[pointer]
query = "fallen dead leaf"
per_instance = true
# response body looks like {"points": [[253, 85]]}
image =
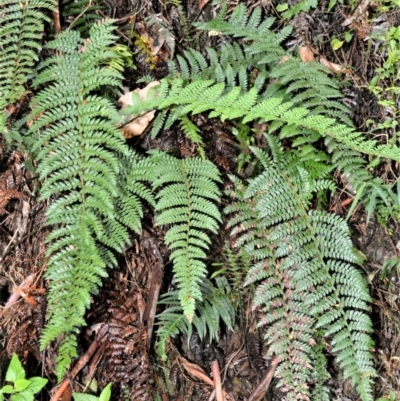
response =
{"points": [[137, 126], [335, 68], [283, 59], [306, 54]]}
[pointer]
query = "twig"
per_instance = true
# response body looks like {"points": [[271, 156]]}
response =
{"points": [[76, 369], [80, 15], [8, 245], [199, 373], [262, 388], [217, 380], [212, 396]]}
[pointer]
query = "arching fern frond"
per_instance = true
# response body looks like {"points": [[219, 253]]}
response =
{"points": [[92, 178], [309, 286], [186, 200], [201, 96]]}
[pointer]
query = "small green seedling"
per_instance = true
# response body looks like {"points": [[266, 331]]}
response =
{"points": [[104, 396], [21, 389], [390, 397]]}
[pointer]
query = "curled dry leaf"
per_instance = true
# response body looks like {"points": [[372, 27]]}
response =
{"points": [[19, 291], [137, 126], [335, 68], [306, 54], [197, 371]]}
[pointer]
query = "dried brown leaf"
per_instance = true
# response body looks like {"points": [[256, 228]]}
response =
{"points": [[197, 371], [202, 4], [137, 126], [306, 54], [335, 68]]}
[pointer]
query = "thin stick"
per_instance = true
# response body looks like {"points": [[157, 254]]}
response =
{"points": [[83, 360], [217, 380], [212, 396]]}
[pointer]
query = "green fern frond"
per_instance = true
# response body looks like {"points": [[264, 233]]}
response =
{"points": [[187, 192], [304, 260], [21, 31], [94, 180], [192, 132], [200, 96], [215, 306], [85, 13]]}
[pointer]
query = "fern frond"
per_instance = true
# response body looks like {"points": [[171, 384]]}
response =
{"points": [[21, 31], [187, 190], [304, 257], [228, 105], [85, 13], [192, 132], [89, 172]]}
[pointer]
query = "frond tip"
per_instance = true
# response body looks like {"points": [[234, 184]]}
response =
{"points": [[216, 305], [186, 200]]}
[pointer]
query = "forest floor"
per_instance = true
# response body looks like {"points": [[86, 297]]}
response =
{"points": [[343, 37]]}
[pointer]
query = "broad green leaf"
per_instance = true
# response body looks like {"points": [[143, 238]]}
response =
{"points": [[282, 7], [22, 396], [7, 389], [15, 370], [106, 393], [21, 384], [336, 43], [36, 384]]}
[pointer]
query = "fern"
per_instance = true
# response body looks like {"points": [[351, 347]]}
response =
{"points": [[304, 260], [93, 178], [187, 189], [201, 96], [216, 305], [192, 132], [306, 85], [21, 30], [84, 13]]}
